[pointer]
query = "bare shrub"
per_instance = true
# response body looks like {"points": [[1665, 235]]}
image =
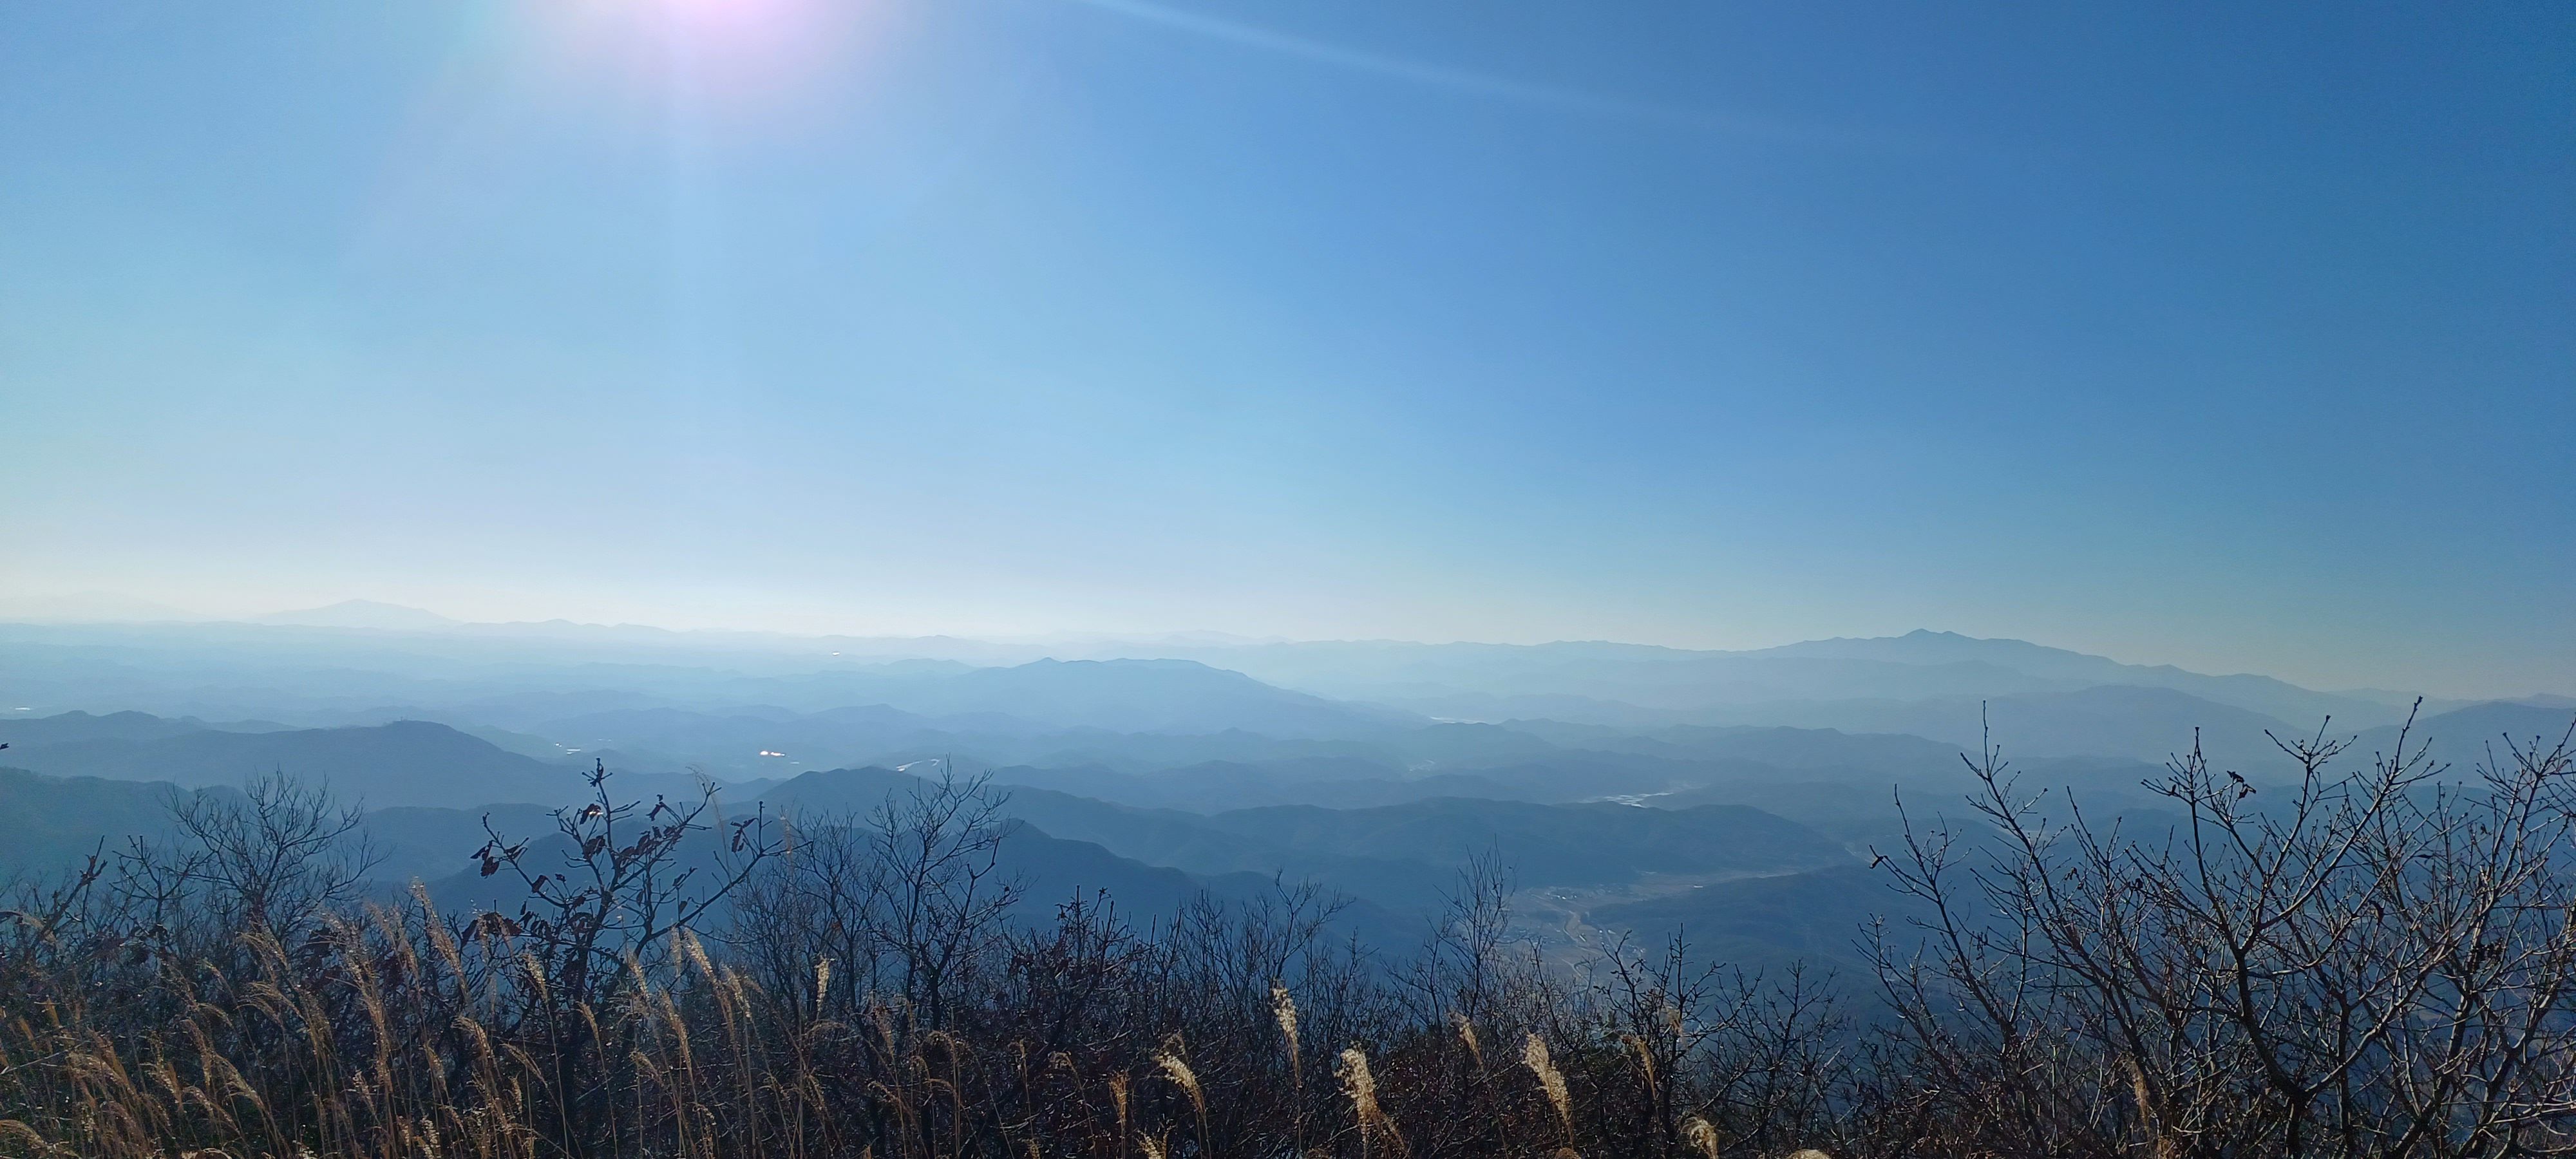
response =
{"points": [[2374, 962]]}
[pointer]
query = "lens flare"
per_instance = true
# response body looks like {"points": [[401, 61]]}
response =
{"points": [[737, 24], [727, 50]]}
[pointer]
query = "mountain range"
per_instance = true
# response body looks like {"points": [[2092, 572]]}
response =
{"points": [[1625, 788]]}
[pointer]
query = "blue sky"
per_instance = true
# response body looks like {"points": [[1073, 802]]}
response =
{"points": [[2235, 336]]}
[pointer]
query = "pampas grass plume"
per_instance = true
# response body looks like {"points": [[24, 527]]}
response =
{"points": [[1534, 1056], [1698, 1133]]}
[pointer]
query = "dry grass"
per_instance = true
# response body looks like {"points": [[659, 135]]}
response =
{"points": [[1360, 1085], [1700, 1135], [1534, 1055], [395, 1033]]}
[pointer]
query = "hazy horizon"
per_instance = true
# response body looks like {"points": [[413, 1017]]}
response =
{"points": [[109, 609]]}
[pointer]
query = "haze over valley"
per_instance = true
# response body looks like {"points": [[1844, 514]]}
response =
{"points": [[1620, 787]]}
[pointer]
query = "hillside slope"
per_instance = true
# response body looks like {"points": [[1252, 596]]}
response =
{"points": [[404, 763]]}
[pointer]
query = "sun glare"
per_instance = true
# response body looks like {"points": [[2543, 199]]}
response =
{"points": [[729, 49], [748, 19]]}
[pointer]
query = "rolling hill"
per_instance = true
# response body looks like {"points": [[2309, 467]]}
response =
{"points": [[1147, 696], [1580, 844], [404, 763], [2465, 736], [48, 824]]}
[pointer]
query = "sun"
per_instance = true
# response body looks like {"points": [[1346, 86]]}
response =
{"points": [[758, 19], [724, 47]]}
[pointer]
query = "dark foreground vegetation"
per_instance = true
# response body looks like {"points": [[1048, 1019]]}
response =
{"points": [[2376, 960]]}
